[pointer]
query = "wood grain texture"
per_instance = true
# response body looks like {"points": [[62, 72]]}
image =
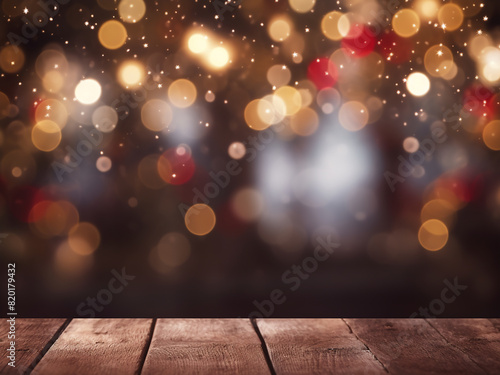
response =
{"points": [[478, 338], [316, 346], [32, 336], [205, 346], [97, 346], [496, 323], [412, 346]]}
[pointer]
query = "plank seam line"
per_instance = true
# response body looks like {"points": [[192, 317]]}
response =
{"points": [[145, 350], [47, 346], [365, 344], [263, 344], [456, 347]]}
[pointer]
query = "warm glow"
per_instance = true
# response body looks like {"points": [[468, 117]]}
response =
{"points": [[200, 219], [418, 84], [112, 34], [131, 74], [88, 91]]}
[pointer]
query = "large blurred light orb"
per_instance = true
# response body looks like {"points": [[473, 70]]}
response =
{"points": [[406, 23], [200, 219], [198, 43], [88, 91], [112, 34], [433, 235], [218, 57], [131, 74], [418, 84]]}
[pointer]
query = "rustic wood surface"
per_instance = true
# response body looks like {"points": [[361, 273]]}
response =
{"points": [[478, 338], [98, 346], [411, 346], [263, 346], [316, 346], [33, 337], [210, 346]]}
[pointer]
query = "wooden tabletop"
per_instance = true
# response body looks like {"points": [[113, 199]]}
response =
{"points": [[262, 346]]}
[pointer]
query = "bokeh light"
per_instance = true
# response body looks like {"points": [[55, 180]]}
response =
{"points": [[406, 23], [302, 6], [176, 166], [131, 10], [450, 16], [131, 74], [112, 34], [103, 164], [156, 115], [438, 60], [491, 135], [334, 26], [46, 135], [433, 235], [88, 91], [11, 59], [305, 122], [54, 110], [353, 115], [105, 118], [418, 84], [198, 43], [173, 249], [200, 219], [236, 150], [84, 238], [279, 29], [218, 57], [182, 93]]}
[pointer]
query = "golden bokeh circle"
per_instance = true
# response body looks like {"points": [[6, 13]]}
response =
{"points": [[406, 23], [182, 93], [200, 219], [46, 135], [438, 60], [491, 135], [451, 16], [84, 238], [433, 235], [11, 59], [112, 34]]}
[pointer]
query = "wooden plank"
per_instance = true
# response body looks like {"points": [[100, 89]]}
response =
{"points": [[98, 346], [316, 346], [496, 323], [411, 346], [205, 346], [32, 337], [478, 338]]}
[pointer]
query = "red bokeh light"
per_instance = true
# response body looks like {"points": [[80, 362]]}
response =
{"points": [[322, 72], [359, 42], [176, 166]]}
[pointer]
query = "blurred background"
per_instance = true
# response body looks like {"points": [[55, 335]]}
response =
{"points": [[343, 153]]}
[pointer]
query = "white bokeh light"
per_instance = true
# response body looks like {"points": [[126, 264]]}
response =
{"points": [[88, 91]]}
